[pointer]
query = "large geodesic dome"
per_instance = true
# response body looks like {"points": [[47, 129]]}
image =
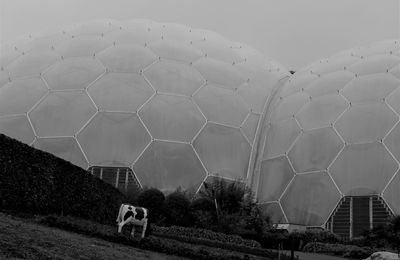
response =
{"points": [[162, 104], [333, 132]]}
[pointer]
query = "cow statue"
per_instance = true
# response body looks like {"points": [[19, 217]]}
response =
{"points": [[133, 215]]}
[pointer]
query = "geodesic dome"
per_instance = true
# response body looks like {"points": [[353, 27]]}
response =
{"points": [[171, 103], [332, 131]]}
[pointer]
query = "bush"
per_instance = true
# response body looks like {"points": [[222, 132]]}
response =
{"points": [[203, 212], [37, 182], [162, 245], [176, 210], [347, 251], [152, 199], [205, 234]]}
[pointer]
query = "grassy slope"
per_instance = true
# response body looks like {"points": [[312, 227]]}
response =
{"points": [[23, 239]]}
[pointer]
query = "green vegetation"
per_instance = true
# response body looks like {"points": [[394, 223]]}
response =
{"points": [[37, 182], [347, 251], [181, 247]]}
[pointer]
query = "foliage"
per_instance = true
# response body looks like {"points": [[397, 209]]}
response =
{"points": [[205, 234], [162, 245], [152, 199], [177, 210], [203, 212], [347, 251], [38, 182], [235, 209]]}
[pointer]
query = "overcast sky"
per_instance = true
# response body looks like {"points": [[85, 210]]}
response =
{"points": [[294, 32]]}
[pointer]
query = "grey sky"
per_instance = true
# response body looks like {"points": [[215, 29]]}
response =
{"points": [[294, 32]]}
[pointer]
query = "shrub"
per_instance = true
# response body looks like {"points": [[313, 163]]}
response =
{"points": [[176, 209], [203, 212], [152, 199], [347, 251], [176, 231], [162, 245], [37, 182]]}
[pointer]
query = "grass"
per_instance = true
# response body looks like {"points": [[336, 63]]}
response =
{"points": [[25, 239]]}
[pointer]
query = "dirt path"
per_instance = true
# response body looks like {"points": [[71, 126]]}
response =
{"points": [[25, 240]]}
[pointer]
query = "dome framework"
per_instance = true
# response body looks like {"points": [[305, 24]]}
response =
{"points": [[160, 103], [332, 134]]}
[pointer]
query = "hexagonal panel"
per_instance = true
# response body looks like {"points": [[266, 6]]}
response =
{"points": [[363, 169], [73, 73], [62, 114], [84, 45], [8, 54], [395, 71], [392, 141], [374, 64], [31, 64], [275, 175], [335, 64], [66, 148], [393, 100], [168, 165], [133, 32], [315, 150], [113, 139], [319, 197], [126, 58], [223, 150], [96, 27], [218, 72], [280, 136], [321, 111], [120, 92], [370, 87], [221, 105], [250, 126], [329, 84], [289, 106], [274, 212], [172, 118], [19, 96], [174, 50], [4, 77], [218, 48], [176, 78], [365, 122], [17, 127], [254, 96], [297, 82], [392, 194]]}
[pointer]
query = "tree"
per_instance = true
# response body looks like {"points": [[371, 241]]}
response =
{"points": [[177, 210], [152, 199]]}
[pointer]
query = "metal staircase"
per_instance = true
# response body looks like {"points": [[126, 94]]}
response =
{"points": [[120, 177], [354, 215]]}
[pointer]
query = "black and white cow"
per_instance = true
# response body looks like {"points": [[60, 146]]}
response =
{"points": [[133, 215]]}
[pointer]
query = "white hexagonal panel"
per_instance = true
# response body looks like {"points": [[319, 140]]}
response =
{"points": [[310, 198], [275, 175], [120, 92], [73, 73], [223, 150], [158, 166], [113, 139], [173, 77], [363, 169], [221, 105], [23, 94], [62, 114], [172, 118]]}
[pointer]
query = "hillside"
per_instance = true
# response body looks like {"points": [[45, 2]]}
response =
{"points": [[23, 239], [41, 183]]}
